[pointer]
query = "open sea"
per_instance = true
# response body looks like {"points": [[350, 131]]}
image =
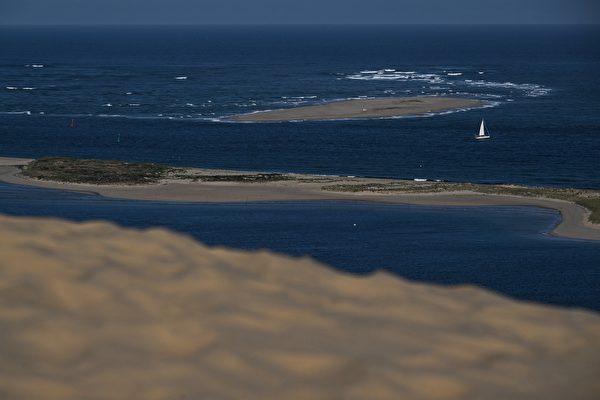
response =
{"points": [[163, 94]]}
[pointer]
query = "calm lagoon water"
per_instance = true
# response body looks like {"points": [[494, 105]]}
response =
{"points": [[505, 249]]}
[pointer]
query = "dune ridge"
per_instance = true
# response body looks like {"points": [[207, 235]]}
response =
{"points": [[95, 311]]}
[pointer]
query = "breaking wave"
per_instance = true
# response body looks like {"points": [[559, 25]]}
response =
{"points": [[15, 112], [530, 89], [18, 88], [443, 83], [390, 74]]}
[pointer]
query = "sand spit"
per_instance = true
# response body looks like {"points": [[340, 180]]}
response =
{"points": [[574, 218], [363, 108], [4, 161], [95, 311]]}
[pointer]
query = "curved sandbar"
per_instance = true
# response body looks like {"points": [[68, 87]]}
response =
{"points": [[363, 108], [210, 186]]}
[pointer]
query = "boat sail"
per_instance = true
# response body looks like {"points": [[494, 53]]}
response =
{"points": [[483, 134]]}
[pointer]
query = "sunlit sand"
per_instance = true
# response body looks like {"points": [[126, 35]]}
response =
{"points": [[363, 108]]}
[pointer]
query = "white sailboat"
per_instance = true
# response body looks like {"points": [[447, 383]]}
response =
{"points": [[483, 134]]}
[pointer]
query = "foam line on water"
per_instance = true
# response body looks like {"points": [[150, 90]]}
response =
{"points": [[530, 89]]}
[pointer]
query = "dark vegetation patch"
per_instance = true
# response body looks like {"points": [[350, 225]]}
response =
{"points": [[99, 172], [239, 178]]}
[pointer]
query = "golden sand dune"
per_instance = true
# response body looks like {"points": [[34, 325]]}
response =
{"points": [[385, 107], [94, 311]]}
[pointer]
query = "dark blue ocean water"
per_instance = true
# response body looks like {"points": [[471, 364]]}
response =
{"points": [[501, 248], [121, 86], [163, 95]]}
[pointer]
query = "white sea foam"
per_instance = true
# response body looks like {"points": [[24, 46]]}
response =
{"points": [[390, 74], [128, 93], [16, 88], [530, 89], [15, 112], [170, 117], [181, 78], [434, 80], [134, 104], [243, 105]]}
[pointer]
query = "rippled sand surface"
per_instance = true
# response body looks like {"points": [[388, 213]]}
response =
{"points": [[95, 311]]}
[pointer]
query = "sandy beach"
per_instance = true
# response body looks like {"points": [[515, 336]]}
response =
{"points": [[574, 218], [95, 311], [363, 108]]}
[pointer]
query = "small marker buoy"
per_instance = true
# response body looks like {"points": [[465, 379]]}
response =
{"points": [[354, 224]]}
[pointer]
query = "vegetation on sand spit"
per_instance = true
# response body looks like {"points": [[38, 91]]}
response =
{"points": [[107, 172], [589, 199], [99, 172], [239, 178], [112, 172]]}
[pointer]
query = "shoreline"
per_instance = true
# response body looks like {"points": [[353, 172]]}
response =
{"points": [[385, 107], [573, 223]]}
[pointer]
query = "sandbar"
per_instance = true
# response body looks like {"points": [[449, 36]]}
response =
{"points": [[363, 109], [574, 221]]}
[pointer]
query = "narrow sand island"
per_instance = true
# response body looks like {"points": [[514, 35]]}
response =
{"points": [[94, 311], [363, 108], [579, 209]]}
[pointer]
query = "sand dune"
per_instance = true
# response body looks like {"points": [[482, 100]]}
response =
{"points": [[94, 311]]}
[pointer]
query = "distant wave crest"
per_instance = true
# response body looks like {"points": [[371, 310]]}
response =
{"points": [[450, 79], [390, 74], [530, 89]]}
